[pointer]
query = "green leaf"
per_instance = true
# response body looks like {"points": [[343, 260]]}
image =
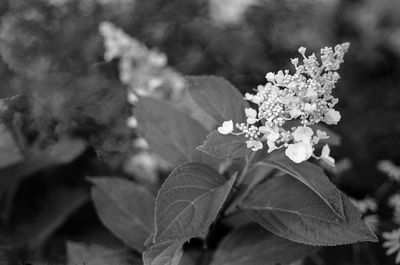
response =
{"points": [[313, 177], [288, 208], [171, 133], [225, 146], [125, 208], [164, 253], [253, 245], [217, 97], [186, 205], [79, 254]]}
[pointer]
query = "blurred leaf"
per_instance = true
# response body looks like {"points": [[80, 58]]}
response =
{"points": [[57, 205], [186, 205], [253, 245], [217, 97], [288, 208], [224, 146], [63, 152], [83, 254], [9, 152], [170, 132], [311, 176], [125, 208]]}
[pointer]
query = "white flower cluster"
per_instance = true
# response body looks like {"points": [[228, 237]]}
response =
{"points": [[144, 70], [305, 96]]}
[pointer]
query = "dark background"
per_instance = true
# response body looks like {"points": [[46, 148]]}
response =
{"points": [[52, 55]]}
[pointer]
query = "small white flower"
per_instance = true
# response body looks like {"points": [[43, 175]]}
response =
{"points": [[251, 115], [332, 117], [254, 145], [322, 135], [248, 96], [325, 155], [303, 134], [265, 129], [299, 152], [295, 112], [309, 108], [226, 128], [273, 136], [270, 77], [132, 122], [271, 146], [392, 243]]}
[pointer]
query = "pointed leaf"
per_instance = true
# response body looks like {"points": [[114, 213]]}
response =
{"points": [[225, 146], [313, 177], [171, 133], [164, 253], [189, 201], [186, 205], [253, 245], [217, 97], [125, 208], [287, 208]]}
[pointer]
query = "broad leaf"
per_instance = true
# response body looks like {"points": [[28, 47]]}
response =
{"points": [[217, 97], [313, 177], [225, 146], [78, 254], [164, 253], [171, 133], [189, 201], [253, 245], [186, 205], [288, 208], [125, 208]]}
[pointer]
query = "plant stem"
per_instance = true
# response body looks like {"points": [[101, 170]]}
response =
{"points": [[249, 159]]}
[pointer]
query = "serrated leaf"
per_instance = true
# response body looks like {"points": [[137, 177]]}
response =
{"points": [[79, 253], [186, 205], [164, 253], [312, 176], [253, 245], [189, 201], [217, 97], [224, 146], [170, 132], [288, 208], [125, 208]]}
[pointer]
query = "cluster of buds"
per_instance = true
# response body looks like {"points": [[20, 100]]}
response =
{"points": [[143, 70], [305, 97]]}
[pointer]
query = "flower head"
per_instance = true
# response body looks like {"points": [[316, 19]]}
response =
{"points": [[226, 128], [305, 96]]}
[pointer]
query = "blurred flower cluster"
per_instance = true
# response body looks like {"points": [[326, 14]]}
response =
{"points": [[305, 96], [143, 70]]}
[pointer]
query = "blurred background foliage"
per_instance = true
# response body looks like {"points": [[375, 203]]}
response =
{"points": [[64, 109]]}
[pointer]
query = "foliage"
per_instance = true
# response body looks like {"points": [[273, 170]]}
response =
{"points": [[73, 171]]}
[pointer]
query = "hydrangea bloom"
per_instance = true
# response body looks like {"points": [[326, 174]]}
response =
{"points": [[304, 96], [143, 70]]}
